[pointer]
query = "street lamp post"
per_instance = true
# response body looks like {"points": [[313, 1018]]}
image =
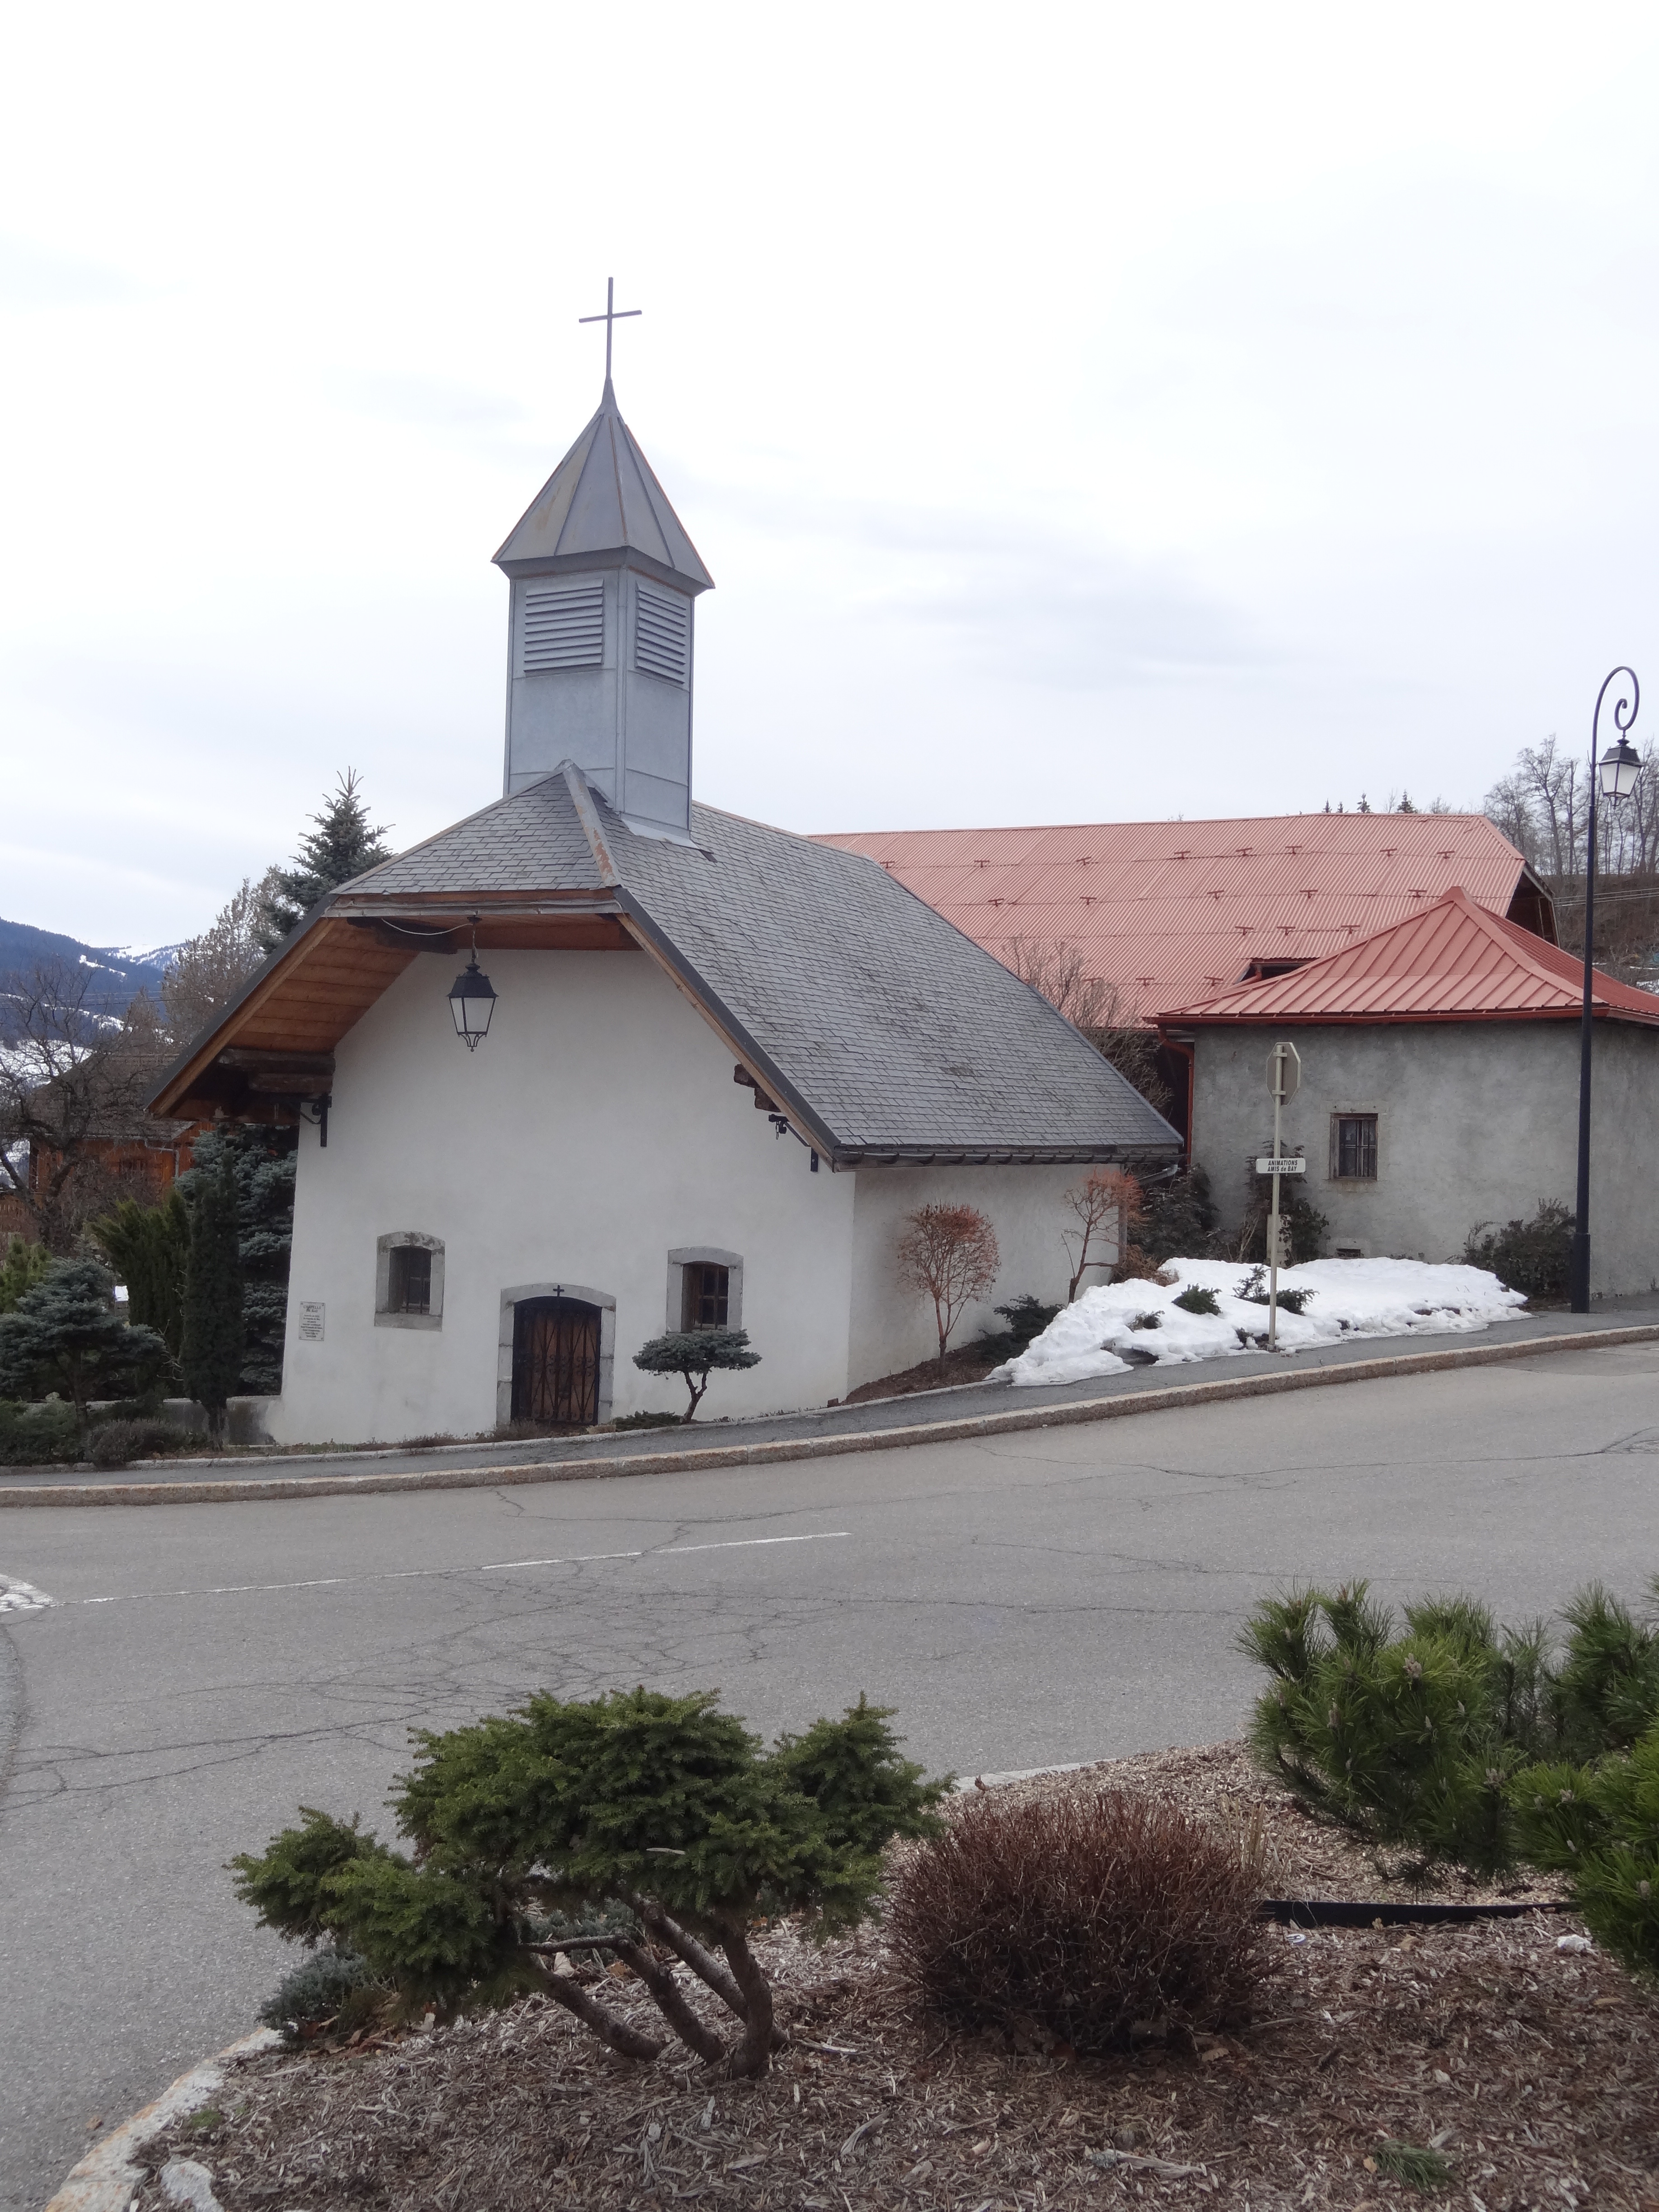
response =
{"points": [[1613, 777]]}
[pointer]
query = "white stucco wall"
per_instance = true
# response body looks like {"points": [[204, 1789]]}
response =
{"points": [[593, 1131], [892, 1328], [1476, 1121]]}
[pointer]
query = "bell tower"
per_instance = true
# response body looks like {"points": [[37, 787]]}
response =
{"points": [[600, 629]]}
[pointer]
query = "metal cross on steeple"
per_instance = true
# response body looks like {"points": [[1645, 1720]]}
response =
{"points": [[613, 315]]}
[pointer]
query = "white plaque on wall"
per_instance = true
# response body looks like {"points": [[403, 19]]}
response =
{"points": [[311, 1318]]}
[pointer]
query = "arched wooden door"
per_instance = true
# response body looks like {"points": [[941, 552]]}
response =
{"points": [[556, 1362]]}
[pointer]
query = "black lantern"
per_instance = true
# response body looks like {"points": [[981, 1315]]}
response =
{"points": [[472, 1001], [1622, 764]]}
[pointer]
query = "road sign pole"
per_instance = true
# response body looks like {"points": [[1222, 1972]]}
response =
{"points": [[1273, 1228]]}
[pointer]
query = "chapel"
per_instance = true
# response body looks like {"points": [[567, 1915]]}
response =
{"points": [[694, 1070]]}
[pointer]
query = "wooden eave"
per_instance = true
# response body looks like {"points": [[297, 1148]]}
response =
{"points": [[332, 972]]}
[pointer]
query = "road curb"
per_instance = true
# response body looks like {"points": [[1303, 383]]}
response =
{"points": [[963, 1429], [106, 2178]]}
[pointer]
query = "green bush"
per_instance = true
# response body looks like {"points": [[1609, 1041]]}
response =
{"points": [[1179, 1217], [1196, 1299], [1599, 1826], [39, 1435], [330, 1986], [23, 1268], [1408, 1739], [663, 1807], [1253, 1288], [1532, 1256], [1434, 1739], [1026, 1317]]}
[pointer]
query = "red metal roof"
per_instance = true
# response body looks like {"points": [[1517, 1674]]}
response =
{"points": [[1456, 962], [1171, 912]]}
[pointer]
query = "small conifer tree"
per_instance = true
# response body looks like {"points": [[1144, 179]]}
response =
{"points": [[341, 845], [649, 1827], [694, 1354], [65, 1335], [149, 1248], [213, 1338], [24, 1266]]}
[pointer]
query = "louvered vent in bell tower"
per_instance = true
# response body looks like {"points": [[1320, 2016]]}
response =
{"points": [[563, 625], [662, 630]]}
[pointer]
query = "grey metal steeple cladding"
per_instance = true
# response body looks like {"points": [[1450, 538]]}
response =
{"points": [[600, 629]]}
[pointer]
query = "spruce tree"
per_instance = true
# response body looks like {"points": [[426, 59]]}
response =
{"points": [[214, 1336], [65, 1335], [149, 1248], [341, 846]]}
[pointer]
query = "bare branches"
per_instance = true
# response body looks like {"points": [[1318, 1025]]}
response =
{"points": [[1109, 1195], [1059, 970], [948, 1254], [206, 974], [73, 1083]]}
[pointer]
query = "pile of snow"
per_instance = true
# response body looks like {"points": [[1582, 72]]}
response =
{"points": [[1348, 1297]]}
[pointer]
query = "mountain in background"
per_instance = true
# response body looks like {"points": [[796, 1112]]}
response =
{"points": [[118, 972]]}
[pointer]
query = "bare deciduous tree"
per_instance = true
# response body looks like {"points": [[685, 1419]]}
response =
{"points": [[1543, 806], [72, 1085], [948, 1254], [205, 975], [1107, 1195], [1059, 970]]}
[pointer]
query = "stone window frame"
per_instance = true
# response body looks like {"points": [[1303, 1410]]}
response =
{"points": [[585, 1296], [705, 1255], [384, 1247], [1340, 1114]]}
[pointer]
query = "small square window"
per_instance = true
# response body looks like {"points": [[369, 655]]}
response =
{"points": [[707, 1295], [1353, 1147], [409, 1280]]}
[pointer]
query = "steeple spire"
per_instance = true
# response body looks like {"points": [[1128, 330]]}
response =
{"points": [[604, 580], [612, 315]]}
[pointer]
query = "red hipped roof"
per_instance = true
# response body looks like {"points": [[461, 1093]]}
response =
{"points": [[1169, 912], [1455, 963]]}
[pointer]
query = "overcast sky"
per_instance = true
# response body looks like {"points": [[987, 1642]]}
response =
{"points": [[1085, 412]]}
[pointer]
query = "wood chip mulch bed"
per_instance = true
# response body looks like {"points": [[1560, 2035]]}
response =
{"points": [[1536, 2070]]}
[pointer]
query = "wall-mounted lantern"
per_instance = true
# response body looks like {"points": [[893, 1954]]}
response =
{"points": [[471, 1001]]}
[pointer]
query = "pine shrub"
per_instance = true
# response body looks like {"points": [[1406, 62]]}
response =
{"points": [[663, 1814], [1196, 1299], [1408, 1739], [693, 1354], [1073, 1920], [1599, 1826]]}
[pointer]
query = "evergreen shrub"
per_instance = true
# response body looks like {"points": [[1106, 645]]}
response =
{"points": [[663, 1814], [331, 1988], [41, 1435], [1179, 1218], [65, 1334], [1531, 1257], [1025, 1318], [1599, 1826], [22, 1269], [1196, 1299], [1069, 1920], [119, 1443], [693, 1354]]}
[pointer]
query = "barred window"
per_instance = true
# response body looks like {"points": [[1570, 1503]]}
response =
{"points": [[707, 1293], [1353, 1147], [409, 1286]]}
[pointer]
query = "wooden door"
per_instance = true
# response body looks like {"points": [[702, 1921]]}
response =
{"points": [[556, 1363]]}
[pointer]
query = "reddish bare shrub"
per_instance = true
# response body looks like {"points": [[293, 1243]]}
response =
{"points": [[1108, 1197], [949, 1254], [1077, 1919]]}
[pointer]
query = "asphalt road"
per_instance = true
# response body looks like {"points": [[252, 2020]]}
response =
{"points": [[1056, 1596]]}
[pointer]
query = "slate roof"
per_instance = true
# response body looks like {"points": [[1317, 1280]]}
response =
{"points": [[873, 1021], [1453, 963], [604, 497], [1171, 912]]}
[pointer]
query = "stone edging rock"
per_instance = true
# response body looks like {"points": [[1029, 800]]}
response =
{"points": [[106, 2178], [960, 1430]]}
